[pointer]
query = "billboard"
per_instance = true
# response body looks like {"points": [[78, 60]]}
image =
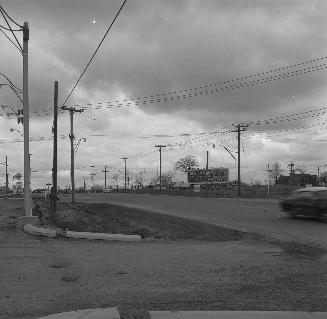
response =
{"points": [[210, 176]]}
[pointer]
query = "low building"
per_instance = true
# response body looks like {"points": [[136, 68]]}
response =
{"points": [[298, 180]]}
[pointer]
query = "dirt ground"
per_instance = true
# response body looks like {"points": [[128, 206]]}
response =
{"points": [[41, 276]]}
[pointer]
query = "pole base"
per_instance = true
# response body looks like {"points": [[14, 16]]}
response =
{"points": [[23, 220]]}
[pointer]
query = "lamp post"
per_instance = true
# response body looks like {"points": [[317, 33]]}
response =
{"points": [[78, 144], [13, 129]]}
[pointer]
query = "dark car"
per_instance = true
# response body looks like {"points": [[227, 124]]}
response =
{"points": [[307, 202], [39, 193], [42, 193]]}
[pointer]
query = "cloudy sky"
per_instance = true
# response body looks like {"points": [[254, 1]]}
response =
{"points": [[176, 73]]}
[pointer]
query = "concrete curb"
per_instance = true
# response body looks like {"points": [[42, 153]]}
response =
{"points": [[52, 233], [112, 313], [236, 315], [104, 236], [108, 313], [33, 230]]}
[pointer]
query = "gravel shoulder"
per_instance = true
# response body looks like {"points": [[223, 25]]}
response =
{"points": [[41, 276]]}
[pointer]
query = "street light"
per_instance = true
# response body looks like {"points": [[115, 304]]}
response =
{"points": [[13, 129], [78, 144]]}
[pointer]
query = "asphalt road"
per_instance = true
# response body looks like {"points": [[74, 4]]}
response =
{"points": [[253, 215]]}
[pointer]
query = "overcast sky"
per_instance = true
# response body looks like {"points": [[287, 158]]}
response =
{"points": [[154, 50]]}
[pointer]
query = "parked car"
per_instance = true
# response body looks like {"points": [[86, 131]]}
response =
{"points": [[107, 190], [307, 202], [42, 193]]}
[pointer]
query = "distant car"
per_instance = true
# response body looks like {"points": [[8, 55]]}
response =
{"points": [[39, 193], [42, 193], [307, 202], [107, 190]]}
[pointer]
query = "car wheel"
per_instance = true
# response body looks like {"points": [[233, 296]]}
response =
{"points": [[323, 217]]}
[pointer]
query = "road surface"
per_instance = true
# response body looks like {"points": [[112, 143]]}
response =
{"points": [[252, 215]]}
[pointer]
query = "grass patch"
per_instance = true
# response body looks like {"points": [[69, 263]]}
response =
{"points": [[109, 218]]}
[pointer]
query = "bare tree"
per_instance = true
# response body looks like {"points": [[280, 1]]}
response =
{"points": [[186, 163], [301, 169], [166, 180], [275, 172]]}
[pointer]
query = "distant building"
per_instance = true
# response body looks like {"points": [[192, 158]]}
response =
{"points": [[298, 180]]}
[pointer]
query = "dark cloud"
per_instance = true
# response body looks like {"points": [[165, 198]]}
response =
{"points": [[163, 46]]}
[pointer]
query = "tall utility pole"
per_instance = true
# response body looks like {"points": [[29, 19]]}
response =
{"points": [[105, 176], [125, 159], [207, 165], [72, 110], [6, 177], [27, 181], [160, 146], [291, 165], [54, 166], [239, 128], [268, 175]]}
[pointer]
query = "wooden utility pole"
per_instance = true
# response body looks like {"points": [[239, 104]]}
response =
{"points": [[160, 146], [105, 176], [55, 160], [72, 110], [207, 166], [291, 165], [27, 175], [6, 177], [125, 159], [240, 128]]}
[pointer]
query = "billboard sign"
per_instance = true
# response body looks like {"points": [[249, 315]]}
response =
{"points": [[211, 176]]}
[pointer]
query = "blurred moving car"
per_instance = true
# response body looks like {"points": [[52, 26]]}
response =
{"points": [[307, 202]]}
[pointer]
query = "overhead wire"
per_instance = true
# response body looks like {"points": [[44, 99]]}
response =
{"points": [[208, 88], [10, 39], [95, 52], [11, 19], [4, 14]]}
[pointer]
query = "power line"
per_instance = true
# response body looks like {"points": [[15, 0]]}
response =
{"points": [[95, 52], [11, 19], [209, 88], [5, 15]]}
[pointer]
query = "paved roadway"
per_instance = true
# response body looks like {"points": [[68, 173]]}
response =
{"points": [[253, 215]]}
